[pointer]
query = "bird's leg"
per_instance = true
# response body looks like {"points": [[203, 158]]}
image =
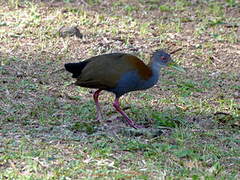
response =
{"points": [[129, 121], [95, 97]]}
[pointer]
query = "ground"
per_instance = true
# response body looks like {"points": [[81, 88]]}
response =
{"points": [[191, 120]]}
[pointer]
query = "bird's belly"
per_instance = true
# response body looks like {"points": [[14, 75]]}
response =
{"points": [[131, 81]]}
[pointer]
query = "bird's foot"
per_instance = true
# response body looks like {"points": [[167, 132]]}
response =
{"points": [[132, 124], [136, 126]]}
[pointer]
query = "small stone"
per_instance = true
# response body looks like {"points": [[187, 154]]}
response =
{"points": [[70, 31]]}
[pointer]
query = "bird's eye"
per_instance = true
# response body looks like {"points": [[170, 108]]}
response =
{"points": [[163, 58]]}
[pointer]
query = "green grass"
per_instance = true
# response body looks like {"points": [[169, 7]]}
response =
{"points": [[47, 125]]}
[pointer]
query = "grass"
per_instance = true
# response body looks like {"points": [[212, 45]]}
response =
{"points": [[47, 127]]}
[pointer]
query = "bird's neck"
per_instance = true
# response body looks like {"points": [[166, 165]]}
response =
{"points": [[155, 67]]}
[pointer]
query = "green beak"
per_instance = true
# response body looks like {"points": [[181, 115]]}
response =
{"points": [[176, 66]]}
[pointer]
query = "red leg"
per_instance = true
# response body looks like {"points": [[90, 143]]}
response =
{"points": [[129, 121], [95, 97]]}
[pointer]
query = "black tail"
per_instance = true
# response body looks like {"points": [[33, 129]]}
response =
{"points": [[75, 68]]}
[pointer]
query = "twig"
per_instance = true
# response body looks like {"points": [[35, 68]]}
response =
{"points": [[59, 70], [179, 49]]}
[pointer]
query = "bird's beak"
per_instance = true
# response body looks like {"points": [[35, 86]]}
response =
{"points": [[176, 66]]}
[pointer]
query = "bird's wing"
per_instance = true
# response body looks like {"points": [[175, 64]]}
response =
{"points": [[105, 71]]}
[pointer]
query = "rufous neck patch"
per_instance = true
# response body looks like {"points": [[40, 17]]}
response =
{"points": [[144, 71]]}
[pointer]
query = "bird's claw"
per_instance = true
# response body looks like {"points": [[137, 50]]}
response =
{"points": [[136, 126]]}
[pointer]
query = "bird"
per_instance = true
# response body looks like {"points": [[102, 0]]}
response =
{"points": [[119, 73]]}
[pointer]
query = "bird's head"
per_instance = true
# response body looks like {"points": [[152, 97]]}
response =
{"points": [[162, 58]]}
